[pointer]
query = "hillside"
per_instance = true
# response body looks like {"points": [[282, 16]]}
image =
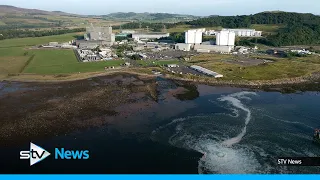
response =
{"points": [[150, 17], [9, 10], [21, 18]]}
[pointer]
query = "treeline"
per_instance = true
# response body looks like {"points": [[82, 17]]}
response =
{"points": [[246, 21], [297, 34], [156, 27], [8, 34]]}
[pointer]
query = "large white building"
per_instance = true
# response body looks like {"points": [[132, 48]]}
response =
{"points": [[183, 47], [245, 32], [155, 35], [213, 48], [225, 38], [194, 36]]}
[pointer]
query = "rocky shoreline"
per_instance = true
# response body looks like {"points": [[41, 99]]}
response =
{"points": [[309, 79], [259, 84]]}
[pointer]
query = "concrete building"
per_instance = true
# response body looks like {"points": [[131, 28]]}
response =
{"points": [[138, 36], [213, 48], [225, 38], [210, 33], [245, 32], [183, 47], [194, 36], [102, 34]]}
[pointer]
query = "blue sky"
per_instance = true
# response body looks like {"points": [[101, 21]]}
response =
{"points": [[194, 7]]}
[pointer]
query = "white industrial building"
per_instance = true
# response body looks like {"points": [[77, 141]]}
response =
{"points": [[139, 36], [183, 47], [225, 38], [194, 36], [245, 32], [213, 48], [210, 33], [206, 71]]}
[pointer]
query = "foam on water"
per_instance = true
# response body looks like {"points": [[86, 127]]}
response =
{"points": [[210, 135], [237, 103]]}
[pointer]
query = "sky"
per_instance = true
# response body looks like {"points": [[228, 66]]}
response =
{"points": [[192, 7]]}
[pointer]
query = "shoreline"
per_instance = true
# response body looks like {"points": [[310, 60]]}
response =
{"points": [[308, 79]]}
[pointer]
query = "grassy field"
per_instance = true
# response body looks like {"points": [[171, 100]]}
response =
{"points": [[12, 60], [15, 55], [63, 61], [2, 23], [19, 42], [280, 68], [12, 65], [156, 62]]}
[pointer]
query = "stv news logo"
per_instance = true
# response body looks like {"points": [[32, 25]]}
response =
{"points": [[36, 154]]}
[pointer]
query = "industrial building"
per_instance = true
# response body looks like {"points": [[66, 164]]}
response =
{"points": [[194, 36], [83, 44], [155, 35], [213, 48], [210, 33], [98, 35], [245, 32], [225, 38], [183, 47], [206, 71]]}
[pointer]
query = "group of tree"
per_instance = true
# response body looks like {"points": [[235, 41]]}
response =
{"points": [[156, 27], [299, 29], [8, 34]]}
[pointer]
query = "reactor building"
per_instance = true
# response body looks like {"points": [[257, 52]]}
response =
{"points": [[194, 36], [97, 36], [225, 38]]}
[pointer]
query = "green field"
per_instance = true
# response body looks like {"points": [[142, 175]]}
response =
{"points": [[280, 68], [156, 62], [2, 23], [63, 61], [16, 57], [20, 42]]}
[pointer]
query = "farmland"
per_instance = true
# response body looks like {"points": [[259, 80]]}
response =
{"points": [[63, 61], [16, 57], [20, 42]]}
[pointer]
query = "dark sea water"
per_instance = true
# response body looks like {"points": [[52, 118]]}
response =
{"points": [[223, 131]]}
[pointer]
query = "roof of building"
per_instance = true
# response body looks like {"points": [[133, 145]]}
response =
{"points": [[204, 70]]}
